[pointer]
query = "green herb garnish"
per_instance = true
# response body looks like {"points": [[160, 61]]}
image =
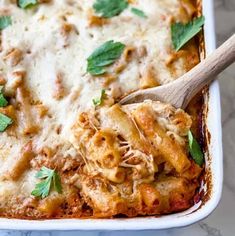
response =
{"points": [[27, 3], [50, 179], [5, 21], [182, 33], [138, 12], [110, 8], [103, 56], [195, 149], [5, 121], [3, 101], [98, 101]]}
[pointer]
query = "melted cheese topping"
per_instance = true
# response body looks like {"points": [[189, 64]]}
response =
{"points": [[43, 62]]}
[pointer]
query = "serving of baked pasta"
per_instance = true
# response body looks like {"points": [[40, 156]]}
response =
{"points": [[67, 148]]}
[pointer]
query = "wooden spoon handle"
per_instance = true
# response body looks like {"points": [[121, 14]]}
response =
{"points": [[180, 92], [205, 72]]}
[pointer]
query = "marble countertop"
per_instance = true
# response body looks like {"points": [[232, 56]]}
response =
{"points": [[222, 221]]}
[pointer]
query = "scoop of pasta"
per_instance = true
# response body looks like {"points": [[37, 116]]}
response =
{"points": [[138, 155]]}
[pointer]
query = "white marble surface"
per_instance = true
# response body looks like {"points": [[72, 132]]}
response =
{"points": [[222, 221]]}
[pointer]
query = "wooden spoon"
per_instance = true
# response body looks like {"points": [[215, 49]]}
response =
{"points": [[181, 91]]}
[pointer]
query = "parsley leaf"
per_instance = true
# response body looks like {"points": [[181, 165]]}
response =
{"points": [[5, 121], [182, 33], [98, 101], [27, 3], [57, 183], [138, 12], [103, 56], [3, 101], [110, 8], [5, 21], [96, 70], [195, 149], [50, 179]]}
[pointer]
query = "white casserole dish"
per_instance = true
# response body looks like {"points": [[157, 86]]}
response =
{"points": [[213, 163]]}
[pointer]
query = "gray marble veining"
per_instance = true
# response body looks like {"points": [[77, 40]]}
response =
{"points": [[222, 221]]}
